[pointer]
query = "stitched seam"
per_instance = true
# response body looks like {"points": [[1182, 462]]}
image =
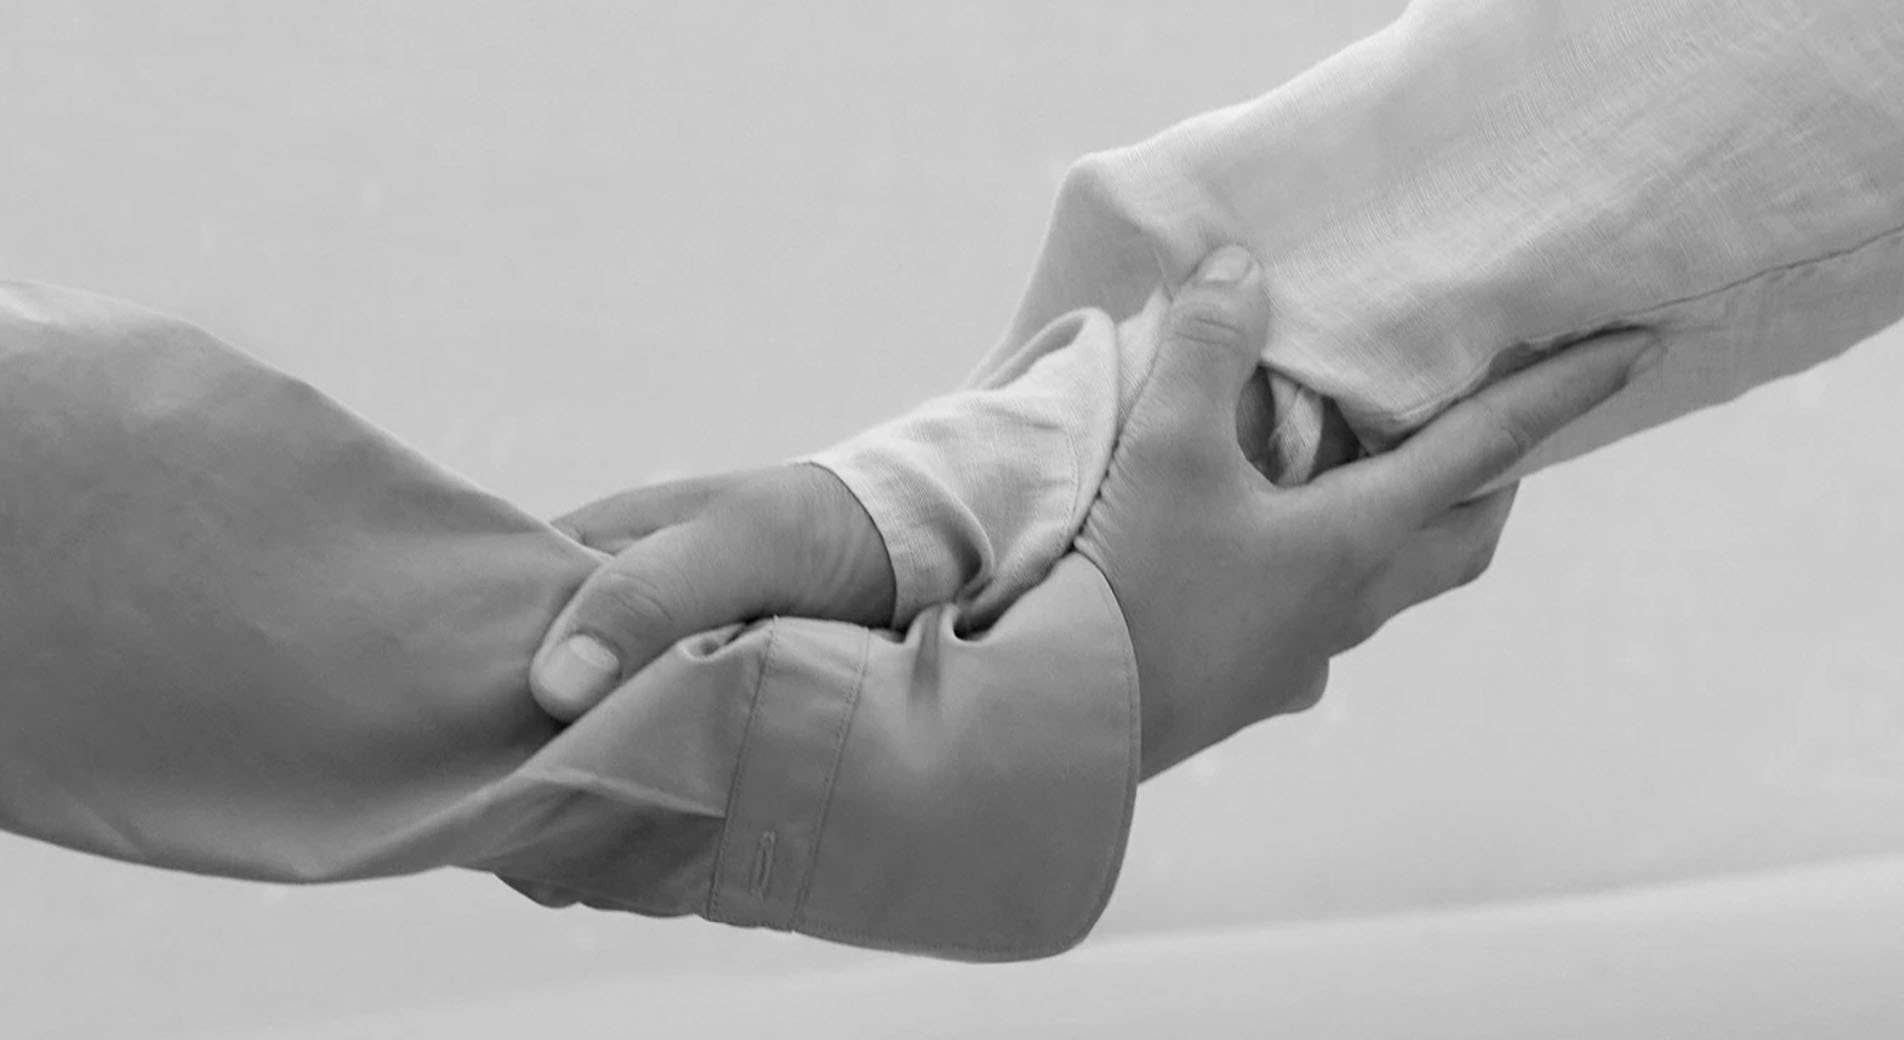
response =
{"points": [[740, 771], [1413, 413], [832, 779], [762, 875]]}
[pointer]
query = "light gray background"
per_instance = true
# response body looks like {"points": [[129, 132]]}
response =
{"points": [[570, 247]]}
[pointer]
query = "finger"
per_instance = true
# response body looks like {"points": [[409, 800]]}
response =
{"points": [[614, 523], [1487, 434], [1337, 445], [1256, 422], [682, 580], [1212, 342], [1453, 551]]}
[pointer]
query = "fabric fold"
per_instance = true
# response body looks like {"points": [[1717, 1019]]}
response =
{"points": [[1479, 184], [246, 633]]}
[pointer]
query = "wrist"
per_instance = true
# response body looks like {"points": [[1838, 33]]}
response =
{"points": [[854, 564]]}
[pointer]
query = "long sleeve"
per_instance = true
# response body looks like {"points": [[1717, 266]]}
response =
{"points": [[1482, 182], [243, 632]]}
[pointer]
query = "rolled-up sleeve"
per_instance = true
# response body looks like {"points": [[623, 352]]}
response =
{"points": [[1479, 184], [246, 633]]}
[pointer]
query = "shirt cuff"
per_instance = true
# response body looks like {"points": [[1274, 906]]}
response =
{"points": [[979, 492], [963, 798]]}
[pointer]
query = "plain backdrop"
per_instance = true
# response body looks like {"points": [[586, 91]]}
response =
{"points": [[570, 247]]}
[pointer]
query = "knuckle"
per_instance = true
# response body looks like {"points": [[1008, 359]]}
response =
{"points": [[1212, 321], [1345, 548], [1504, 436], [628, 603]]}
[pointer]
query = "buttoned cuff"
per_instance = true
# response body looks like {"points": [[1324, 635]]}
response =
{"points": [[963, 798], [978, 493]]}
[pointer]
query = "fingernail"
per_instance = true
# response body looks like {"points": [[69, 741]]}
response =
{"points": [[1226, 266], [578, 673]]}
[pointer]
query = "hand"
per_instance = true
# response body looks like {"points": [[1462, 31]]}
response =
{"points": [[696, 554], [1237, 592]]}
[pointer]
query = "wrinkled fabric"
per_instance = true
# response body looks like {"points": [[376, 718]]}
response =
{"points": [[1480, 183], [246, 633]]}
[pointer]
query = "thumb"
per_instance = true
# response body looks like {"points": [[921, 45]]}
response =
{"points": [[1213, 338], [682, 580]]}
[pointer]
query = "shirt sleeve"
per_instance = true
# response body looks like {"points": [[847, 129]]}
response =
{"points": [[246, 633], [926, 794], [1480, 183]]}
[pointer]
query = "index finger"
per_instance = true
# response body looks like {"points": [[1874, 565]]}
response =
{"points": [[620, 520], [1486, 435]]}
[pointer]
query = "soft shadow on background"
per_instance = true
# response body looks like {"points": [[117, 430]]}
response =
{"points": [[569, 248]]}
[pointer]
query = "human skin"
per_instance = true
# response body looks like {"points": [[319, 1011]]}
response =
{"points": [[1234, 607]]}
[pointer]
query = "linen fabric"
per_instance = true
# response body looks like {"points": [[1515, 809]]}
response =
{"points": [[1479, 184], [247, 633]]}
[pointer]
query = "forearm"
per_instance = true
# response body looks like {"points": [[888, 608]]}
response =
{"points": [[1481, 182], [247, 634]]}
